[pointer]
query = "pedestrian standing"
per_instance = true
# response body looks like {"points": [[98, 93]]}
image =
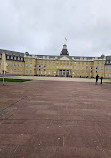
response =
{"points": [[101, 79], [97, 78]]}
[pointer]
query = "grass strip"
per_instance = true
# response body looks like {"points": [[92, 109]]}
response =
{"points": [[14, 80]]}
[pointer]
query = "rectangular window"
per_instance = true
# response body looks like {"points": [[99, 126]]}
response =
{"points": [[71, 63], [30, 60], [31, 65], [11, 63], [41, 65], [101, 67], [82, 67], [74, 67], [78, 67], [30, 71], [97, 62], [7, 63], [106, 68], [49, 72], [26, 65], [7, 57], [15, 64]]}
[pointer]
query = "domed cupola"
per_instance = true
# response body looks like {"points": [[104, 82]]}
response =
{"points": [[64, 50]]}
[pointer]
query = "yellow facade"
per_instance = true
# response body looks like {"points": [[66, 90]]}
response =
{"points": [[63, 65], [29, 66], [76, 68]]}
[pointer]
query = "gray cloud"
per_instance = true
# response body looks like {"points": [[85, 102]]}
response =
{"points": [[40, 27]]}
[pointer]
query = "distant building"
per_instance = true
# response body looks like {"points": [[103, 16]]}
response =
{"points": [[62, 65]]}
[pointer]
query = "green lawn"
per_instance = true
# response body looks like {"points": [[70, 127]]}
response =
{"points": [[108, 82], [14, 80]]}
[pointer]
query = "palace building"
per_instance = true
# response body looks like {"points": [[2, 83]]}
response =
{"points": [[62, 65]]}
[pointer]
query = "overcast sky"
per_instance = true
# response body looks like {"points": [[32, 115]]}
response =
{"points": [[40, 26]]}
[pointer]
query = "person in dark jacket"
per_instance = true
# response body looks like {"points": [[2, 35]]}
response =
{"points": [[101, 80], [97, 78]]}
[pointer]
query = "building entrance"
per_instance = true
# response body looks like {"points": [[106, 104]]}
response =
{"points": [[64, 73]]}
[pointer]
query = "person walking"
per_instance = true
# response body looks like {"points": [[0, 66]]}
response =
{"points": [[101, 79], [97, 78]]}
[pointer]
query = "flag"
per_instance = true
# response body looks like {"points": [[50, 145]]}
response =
{"points": [[65, 38], [3, 64]]}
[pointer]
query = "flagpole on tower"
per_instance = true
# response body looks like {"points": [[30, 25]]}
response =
{"points": [[65, 40]]}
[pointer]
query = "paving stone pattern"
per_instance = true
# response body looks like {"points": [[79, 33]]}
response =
{"points": [[53, 119]]}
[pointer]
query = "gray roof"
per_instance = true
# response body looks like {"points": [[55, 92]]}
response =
{"points": [[12, 53], [108, 57]]}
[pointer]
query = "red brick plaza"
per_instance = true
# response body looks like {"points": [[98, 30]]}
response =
{"points": [[55, 119]]}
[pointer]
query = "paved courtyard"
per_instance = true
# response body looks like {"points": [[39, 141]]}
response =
{"points": [[53, 119]]}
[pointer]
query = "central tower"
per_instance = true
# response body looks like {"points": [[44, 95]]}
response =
{"points": [[64, 51]]}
